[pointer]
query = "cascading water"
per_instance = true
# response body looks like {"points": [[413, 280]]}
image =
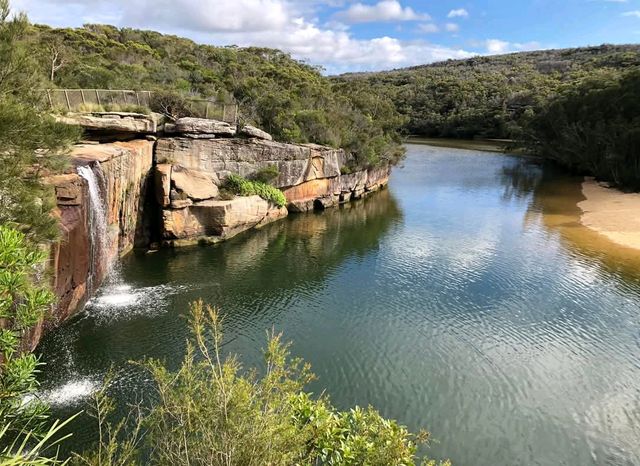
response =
{"points": [[98, 226]]}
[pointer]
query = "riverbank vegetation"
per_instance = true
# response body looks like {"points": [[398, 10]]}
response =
{"points": [[575, 106], [236, 184]]}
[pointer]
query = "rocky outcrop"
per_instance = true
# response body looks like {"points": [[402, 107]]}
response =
{"points": [[253, 132], [114, 123], [308, 174], [183, 176], [195, 127]]}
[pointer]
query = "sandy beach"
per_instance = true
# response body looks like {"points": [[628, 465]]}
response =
{"points": [[612, 213]]}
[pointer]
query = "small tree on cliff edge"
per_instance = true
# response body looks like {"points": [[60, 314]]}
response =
{"points": [[32, 144]]}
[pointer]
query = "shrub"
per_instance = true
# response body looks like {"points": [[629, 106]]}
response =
{"points": [[211, 412], [172, 104], [267, 175], [243, 187]]}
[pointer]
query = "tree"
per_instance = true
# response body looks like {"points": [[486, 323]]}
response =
{"points": [[31, 143], [30, 147]]}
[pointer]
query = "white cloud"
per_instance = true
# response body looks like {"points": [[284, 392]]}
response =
{"points": [[428, 28], [635, 13], [459, 13], [383, 11], [452, 27], [289, 25], [497, 46]]}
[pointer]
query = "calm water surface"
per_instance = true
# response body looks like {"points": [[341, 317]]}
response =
{"points": [[460, 299]]}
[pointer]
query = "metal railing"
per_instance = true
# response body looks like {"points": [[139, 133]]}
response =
{"points": [[87, 100]]}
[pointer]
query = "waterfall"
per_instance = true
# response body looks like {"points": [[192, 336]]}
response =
{"points": [[98, 225]]}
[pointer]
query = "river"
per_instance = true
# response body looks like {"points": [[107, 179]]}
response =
{"points": [[465, 299]]}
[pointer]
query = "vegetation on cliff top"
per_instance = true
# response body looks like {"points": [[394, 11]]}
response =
{"points": [[288, 98]]}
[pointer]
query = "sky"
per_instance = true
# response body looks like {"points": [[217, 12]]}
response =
{"points": [[363, 35]]}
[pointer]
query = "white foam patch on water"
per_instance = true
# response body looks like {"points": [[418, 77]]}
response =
{"points": [[124, 301], [70, 393]]}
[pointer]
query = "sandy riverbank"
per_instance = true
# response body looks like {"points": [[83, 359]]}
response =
{"points": [[612, 213]]}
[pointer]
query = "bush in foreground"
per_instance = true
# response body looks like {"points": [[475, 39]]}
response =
{"points": [[212, 412]]}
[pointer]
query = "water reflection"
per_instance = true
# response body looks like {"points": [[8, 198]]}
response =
{"points": [[554, 196]]}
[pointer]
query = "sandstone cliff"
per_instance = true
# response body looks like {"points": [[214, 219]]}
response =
{"points": [[168, 192]]}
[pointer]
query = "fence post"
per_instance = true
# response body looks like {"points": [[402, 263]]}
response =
{"points": [[206, 110], [138, 98], [82, 95], [49, 97], [224, 112], [66, 96], [98, 96]]}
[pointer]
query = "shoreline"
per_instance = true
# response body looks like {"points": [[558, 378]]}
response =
{"points": [[488, 145], [611, 213]]}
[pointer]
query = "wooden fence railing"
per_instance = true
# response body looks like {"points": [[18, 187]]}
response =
{"points": [[75, 100]]}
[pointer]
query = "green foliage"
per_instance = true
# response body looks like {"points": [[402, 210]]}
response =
{"points": [[267, 175], [31, 450], [118, 443], [212, 412], [243, 187], [594, 127], [22, 304], [289, 99], [490, 97], [31, 143], [576, 106], [171, 104]]}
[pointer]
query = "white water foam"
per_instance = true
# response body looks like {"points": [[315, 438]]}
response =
{"points": [[70, 393], [121, 301]]}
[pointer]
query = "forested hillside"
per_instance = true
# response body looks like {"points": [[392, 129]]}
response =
{"points": [[531, 97], [579, 107], [288, 98], [494, 96]]}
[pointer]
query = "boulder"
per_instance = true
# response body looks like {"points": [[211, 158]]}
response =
{"points": [[220, 218], [135, 123], [200, 126], [325, 202], [194, 184], [300, 206], [253, 132]]}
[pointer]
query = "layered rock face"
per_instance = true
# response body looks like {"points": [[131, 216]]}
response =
{"points": [[190, 169], [121, 169]]}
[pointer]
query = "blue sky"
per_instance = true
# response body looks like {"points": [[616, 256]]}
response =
{"points": [[359, 35]]}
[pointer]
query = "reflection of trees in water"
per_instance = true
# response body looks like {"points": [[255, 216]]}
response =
{"points": [[554, 197], [301, 247], [520, 178]]}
